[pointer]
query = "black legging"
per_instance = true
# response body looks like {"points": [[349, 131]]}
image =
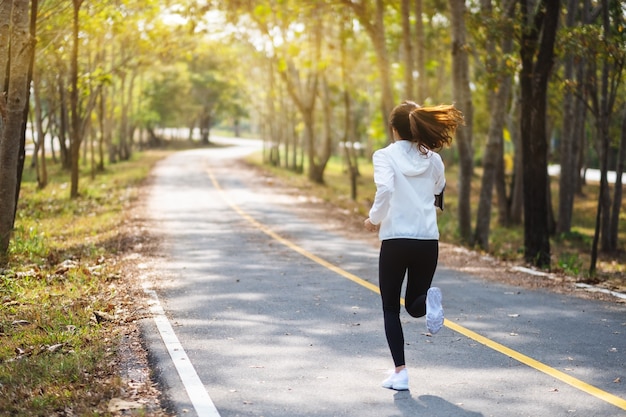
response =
{"points": [[397, 257]]}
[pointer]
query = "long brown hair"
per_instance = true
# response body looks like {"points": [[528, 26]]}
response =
{"points": [[431, 127]]}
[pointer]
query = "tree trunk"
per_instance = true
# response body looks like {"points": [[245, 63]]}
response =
{"points": [[63, 125], [21, 157], [539, 33], [617, 193], [504, 218], [380, 45], [420, 49], [463, 97], [92, 148], [578, 148], [309, 140], [130, 125], [205, 127], [295, 142], [101, 129], [498, 97], [327, 109], [13, 104], [34, 161], [109, 119], [304, 96], [407, 43], [75, 122], [6, 8], [123, 123], [603, 109], [282, 129], [491, 162], [602, 197], [42, 172], [568, 157], [349, 138], [516, 208]]}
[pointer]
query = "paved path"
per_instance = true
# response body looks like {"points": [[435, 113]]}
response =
{"points": [[275, 315]]}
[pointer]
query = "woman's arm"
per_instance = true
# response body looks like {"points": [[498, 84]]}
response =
{"points": [[384, 179]]}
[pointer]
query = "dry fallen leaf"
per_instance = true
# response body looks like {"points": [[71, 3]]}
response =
{"points": [[65, 266], [55, 348], [103, 316], [117, 404]]}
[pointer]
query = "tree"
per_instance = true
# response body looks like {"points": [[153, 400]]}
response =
{"points": [[617, 197], [407, 43], [463, 97], [16, 57], [77, 119], [40, 144], [350, 135], [571, 138], [603, 87], [539, 26], [210, 92], [420, 53], [498, 82], [373, 22]]}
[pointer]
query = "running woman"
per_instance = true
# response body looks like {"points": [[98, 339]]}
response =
{"points": [[410, 180]]}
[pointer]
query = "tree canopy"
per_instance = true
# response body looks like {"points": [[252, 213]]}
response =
{"points": [[314, 78]]}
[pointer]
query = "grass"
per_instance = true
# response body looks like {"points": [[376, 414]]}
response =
{"points": [[56, 350], [570, 252]]}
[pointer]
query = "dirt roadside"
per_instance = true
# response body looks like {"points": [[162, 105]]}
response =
{"points": [[139, 247]]}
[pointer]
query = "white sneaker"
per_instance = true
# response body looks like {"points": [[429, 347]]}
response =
{"points": [[434, 310], [397, 381]]}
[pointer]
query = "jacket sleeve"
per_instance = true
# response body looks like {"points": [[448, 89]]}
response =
{"points": [[440, 179], [384, 179]]}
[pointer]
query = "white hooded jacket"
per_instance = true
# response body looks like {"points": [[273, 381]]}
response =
{"points": [[406, 183]]}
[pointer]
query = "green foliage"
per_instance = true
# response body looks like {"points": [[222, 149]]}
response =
{"points": [[166, 93], [55, 352], [31, 244], [575, 237], [570, 263]]}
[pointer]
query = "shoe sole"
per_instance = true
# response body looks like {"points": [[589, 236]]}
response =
{"points": [[397, 387], [434, 315]]}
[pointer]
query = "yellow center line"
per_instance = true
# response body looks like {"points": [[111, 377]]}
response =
{"points": [[520, 357]]}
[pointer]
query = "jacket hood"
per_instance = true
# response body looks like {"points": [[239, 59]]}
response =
{"points": [[408, 158]]}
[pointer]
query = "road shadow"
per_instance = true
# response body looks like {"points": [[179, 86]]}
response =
{"points": [[429, 405]]}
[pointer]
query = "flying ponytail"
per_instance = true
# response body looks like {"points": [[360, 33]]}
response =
{"points": [[431, 127], [434, 127]]}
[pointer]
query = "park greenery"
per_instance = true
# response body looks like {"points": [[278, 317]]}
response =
{"points": [[539, 83], [66, 297], [88, 87]]}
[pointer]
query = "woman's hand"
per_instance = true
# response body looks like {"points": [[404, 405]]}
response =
{"points": [[369, 226]]}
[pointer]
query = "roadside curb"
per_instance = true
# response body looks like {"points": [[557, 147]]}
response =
{"points": [[580, 285]]}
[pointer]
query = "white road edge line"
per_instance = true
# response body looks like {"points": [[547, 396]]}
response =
{"points": [[198, 395]]}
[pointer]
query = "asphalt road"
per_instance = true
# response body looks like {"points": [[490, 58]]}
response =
{"points": [[272, 314]]}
